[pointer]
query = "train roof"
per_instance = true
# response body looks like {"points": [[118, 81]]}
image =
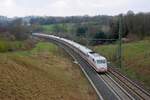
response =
{"points": [[96, 55], [77, 45]]}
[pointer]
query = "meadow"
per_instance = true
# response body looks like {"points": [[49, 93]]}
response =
{"points": [[135, 57], [45, 72]]}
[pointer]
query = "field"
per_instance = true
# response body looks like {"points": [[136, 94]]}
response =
{"points": [[136, 59], [48, 28], [58, 27], [44, 73]]}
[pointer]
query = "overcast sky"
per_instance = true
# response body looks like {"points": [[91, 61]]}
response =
{"points": [[13, 8]]}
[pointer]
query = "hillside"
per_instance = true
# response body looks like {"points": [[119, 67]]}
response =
{"points": [[44, 73], [136, 59]]}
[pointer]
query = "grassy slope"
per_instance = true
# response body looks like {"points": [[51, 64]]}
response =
{"points": [[136, 59], [50, 28], [44, 73]]}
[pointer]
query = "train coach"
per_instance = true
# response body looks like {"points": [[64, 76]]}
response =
{"points": [[98, 62]]}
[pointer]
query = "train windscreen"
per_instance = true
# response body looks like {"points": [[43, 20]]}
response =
{"points": [[101, 61]]}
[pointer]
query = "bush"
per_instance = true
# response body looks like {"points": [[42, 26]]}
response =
{"points": [[4, 46]]}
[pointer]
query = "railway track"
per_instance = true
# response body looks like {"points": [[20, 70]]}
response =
{"points": [[105, 86], [134, 89], [120, 92]]}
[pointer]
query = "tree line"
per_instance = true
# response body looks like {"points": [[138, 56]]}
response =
{"points": [[133, 24], [82, 27]]}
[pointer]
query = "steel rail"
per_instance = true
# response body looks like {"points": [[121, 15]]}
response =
{"points": [[130, 85], [116, 88]]}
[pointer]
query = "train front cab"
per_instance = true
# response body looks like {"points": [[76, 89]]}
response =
{"points": [[101, 66]]}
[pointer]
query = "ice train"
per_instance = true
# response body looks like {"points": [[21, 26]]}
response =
{"points": [[98, 62]]}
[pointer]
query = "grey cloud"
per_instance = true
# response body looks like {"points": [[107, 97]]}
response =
{"points": [[71, 7]]}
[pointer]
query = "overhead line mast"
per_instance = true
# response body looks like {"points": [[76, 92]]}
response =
{"points": [[120, 40]]}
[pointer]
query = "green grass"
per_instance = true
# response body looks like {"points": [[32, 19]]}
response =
{"points": [[44, 73], [45, 47], [41, 47], [54, 27], [136, 59], [48, 28]]}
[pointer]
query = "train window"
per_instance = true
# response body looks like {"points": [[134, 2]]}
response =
{"points": [[92, 52], [93, 60], [101, 61]]}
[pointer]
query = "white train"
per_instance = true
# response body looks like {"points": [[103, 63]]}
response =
{"points": [[98, 62]]}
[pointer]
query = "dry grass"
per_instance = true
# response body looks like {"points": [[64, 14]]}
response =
{"points": [[45, 73]]}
